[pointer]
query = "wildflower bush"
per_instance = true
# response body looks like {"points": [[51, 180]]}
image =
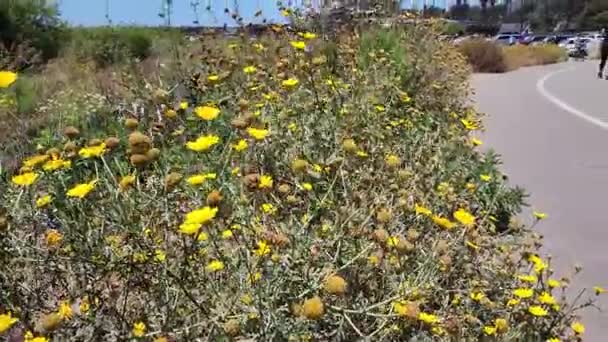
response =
{"points": [[283, 188]]}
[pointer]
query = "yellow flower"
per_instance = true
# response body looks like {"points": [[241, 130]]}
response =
{"points": [[43, 201], [25, 179], [546, 298], [250, 69], [362, 154], [7, 78], [227, 234], [552, 283], [512, 302], [485, 178], [65, 311], [159, 255], [37, 339], [380, 108], [53, 237], [203, 143], [523, 293], [298, 45], [489, 330], [258, 134], [539, 215], [598, 290], [464, 217], [476, 142], [501, 324], [81, 190], [469, 124], [189, 228], [213, 78], [139, 329], [202, 236], [215, 266], [262, 249], [170, 113], [537, 311], [393, 160], [443, 222], [201, 216], [6, 322], [265, 182], [126, 182], [84, 305], [528, 278], [56, 164], [183, 105], [309, 35], [392, 241], [421, 210], [307, 186], [477, 296], [268, 208], [207, 113], [578, 328], [200, 178], [35, 160], [428, 318], [92, 151], [241, 145], [554, 339], [292, 126], [290, 83]]}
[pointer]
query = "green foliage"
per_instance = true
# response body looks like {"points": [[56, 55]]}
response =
{"points": [[26, 95], [33, 23], [110, 45]]}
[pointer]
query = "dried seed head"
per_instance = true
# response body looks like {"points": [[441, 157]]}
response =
{"points": [[380, 235], [232, 327], [284, 188], [112, 142], [172, 180], [214, 198], [384, 215], [335, 285], [299, 165], [153, 154], [131, 123], [94, 142], [349, 145], [71, 132], [412, 234], [139, 160], [313, 308]]}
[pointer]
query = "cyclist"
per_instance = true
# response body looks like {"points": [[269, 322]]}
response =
{"points": [[603, 52]]}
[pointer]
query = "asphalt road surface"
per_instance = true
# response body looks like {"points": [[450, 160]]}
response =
{"points": [[550, 124]]}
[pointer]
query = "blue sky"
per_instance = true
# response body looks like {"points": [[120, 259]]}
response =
{"points": [[145, 12]]}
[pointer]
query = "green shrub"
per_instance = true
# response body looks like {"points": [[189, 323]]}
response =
{"points": [[483, 55], [31, 23], [110, 45], [346, 204]]}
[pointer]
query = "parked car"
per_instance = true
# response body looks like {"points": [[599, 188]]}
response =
{"points": [[507, 39], [534, 40]]}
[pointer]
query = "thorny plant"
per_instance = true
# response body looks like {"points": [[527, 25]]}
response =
{"points": [[279, 188]]}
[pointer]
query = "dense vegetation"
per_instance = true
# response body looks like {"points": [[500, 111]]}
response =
{"points": [[282, 187]]}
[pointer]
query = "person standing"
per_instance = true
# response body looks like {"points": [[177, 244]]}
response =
{"points": [[603, 52]]}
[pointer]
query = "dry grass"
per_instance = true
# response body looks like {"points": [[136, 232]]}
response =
{"points": [[519, 56], [483, 55]]}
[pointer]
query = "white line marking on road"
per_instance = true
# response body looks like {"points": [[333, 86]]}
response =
{"points": [[540, 86]]}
